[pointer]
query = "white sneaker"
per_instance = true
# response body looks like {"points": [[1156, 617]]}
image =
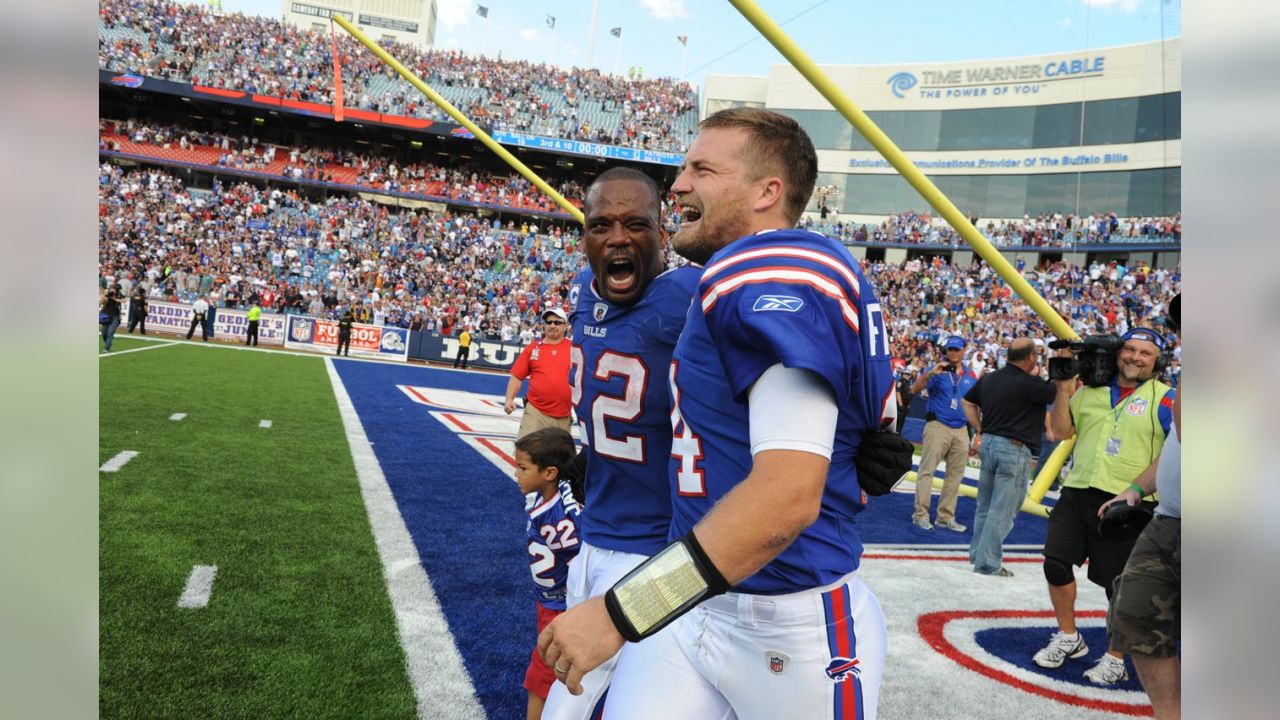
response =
{"points": [[951, 525], [922, 523], [1060, 648], [1109, 671]]}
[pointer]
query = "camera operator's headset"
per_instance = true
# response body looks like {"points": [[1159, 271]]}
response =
{"points": [[1155, 338]]}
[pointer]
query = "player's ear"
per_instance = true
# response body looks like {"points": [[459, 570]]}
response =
{"points": [[552, 473], [770, 194]]}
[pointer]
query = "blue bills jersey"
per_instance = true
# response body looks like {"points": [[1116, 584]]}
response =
{"points": [[553, 541], [797, 298], [618, 377]]}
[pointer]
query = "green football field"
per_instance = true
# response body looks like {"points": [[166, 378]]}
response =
{"points": [[298, 623]]}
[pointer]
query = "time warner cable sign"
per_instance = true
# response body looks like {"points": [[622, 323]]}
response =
{"points": [[991, 80]]}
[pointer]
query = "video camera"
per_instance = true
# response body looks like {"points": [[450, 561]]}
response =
{"points": [[1095, 359]]}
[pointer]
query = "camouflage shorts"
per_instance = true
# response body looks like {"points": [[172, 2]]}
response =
{"points": [[1145, 617]]}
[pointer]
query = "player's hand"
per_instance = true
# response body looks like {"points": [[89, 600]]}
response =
{"points": [[578, 641], [509, 406], [1128, 496]]}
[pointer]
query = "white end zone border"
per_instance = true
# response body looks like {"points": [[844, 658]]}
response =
{"points": [[440, 680], [477, 419]]}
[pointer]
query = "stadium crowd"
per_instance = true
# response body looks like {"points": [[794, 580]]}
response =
{"points": [[413, 268], [188, 43], [1048, 230], [441, 272], [932, 299], [329, 165]]}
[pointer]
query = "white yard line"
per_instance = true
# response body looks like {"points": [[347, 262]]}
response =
{"points": [[264, 423], [117, 462], [126, 352], [177, 416], [439, 679], [199, 587]]}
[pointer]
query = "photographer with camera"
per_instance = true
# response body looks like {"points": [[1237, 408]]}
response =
{"points": [[1120, 416], [945, 435]]}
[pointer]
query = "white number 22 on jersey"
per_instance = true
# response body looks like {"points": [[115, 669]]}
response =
{"points": [[624, 408]]}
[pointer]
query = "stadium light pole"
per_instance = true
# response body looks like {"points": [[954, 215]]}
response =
{"points": [[463, 120], [886, 147]]}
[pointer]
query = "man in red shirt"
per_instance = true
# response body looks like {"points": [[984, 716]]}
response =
{"points": [[545, 363]]}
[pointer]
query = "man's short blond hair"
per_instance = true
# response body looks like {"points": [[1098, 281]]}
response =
{"points": [[777, 145]]}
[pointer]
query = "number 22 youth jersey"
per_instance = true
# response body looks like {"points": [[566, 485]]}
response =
{"points": [[782, 296], [619, 384], [553, 542]]}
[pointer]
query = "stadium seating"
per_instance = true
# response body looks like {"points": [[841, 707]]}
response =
{"points": [[190, 44]]}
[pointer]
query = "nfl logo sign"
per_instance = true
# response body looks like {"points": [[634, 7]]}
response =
{"points": [[599, 311], [777, 662], [302, 331], [1137, 406]]}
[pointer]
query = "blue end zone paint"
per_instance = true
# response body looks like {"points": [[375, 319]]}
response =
{"points": [[1016, 645], [467, 521], [887, 520]]}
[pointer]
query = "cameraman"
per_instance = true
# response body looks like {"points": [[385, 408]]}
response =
{"points": [[1120, 429], [1145, 617]]}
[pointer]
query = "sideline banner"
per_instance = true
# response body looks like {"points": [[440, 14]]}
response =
{"points": [[368, 341], [234, 325], [484, 353], [228, 324]]}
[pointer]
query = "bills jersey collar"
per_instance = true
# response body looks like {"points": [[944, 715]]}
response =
{"points": [[544, 506]]}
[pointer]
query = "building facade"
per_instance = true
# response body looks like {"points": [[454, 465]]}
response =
{"points": [[1097, 131], [406, 21]]}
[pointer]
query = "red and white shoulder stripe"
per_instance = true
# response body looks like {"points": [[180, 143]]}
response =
{"points": [[822, 258], [785, 275]]}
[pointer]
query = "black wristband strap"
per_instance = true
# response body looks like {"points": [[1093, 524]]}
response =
{"points": [[716, 584], [663, 588]]}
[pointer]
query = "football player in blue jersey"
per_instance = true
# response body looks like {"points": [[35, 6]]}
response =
{"points": [[627, 314], [780, 372]]}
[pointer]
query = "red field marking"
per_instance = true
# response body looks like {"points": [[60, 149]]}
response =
{"points": [[456, 421], [489, 444], [932, 628]]}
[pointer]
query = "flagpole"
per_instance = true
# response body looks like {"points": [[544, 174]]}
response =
{"points": [[591, 34], [684, 55], [617, 54]]}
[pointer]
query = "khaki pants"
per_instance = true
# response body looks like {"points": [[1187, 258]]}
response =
{"points": [[941, 443], [535, 419]]}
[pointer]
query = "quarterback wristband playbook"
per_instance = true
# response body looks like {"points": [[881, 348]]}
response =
{"points": [[663, 588]]}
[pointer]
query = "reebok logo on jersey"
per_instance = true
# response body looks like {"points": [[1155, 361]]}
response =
{"points": [[784, 303], [778, 662], [839, 669]]}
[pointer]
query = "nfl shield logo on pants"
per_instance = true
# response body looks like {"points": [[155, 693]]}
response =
{"points": [[777, 661]]}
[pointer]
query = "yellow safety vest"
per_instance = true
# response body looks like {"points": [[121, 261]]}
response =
{"points": [[1115, 444]]}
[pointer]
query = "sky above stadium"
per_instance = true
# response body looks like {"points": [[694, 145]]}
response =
{"points": [[832, 32]]}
